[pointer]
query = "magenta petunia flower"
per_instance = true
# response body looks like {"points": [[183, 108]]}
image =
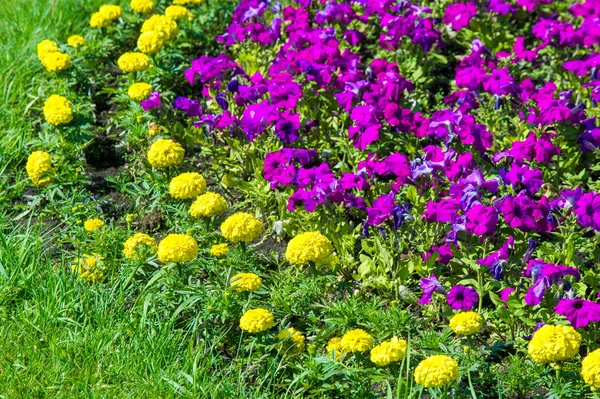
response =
{"points": [[482, 220], [458, 15], [579, 312], [462, 298]]}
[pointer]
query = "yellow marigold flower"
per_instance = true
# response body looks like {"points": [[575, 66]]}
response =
{"points": [[133, 62], [552, 344], [139, 91], [208, 204], [46, 46], [184, 2], [142, 6], [56, 61], [99, 20], [590, 369], [241, 227], [356, 341], [177, 12], [335, 344], [388, 351], [436, 371], [161, 24], [165, 153], [150, 42], [257, 320], [93, 224], [57, 110], [153, 129], [136, 241], [219, 250], [111, 11], [39, 164], [466, 323], [187, 185], [246, 282], [75, 41], [295, 340], [89, 268], [308, 247], [177, 248]]}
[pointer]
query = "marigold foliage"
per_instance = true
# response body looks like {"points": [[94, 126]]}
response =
{"points": [[133, 243], [161, 24], [57, 110], [150, 42], [208, 204], [295, 340], [552, 344], [165, 153], [241, 227], [93, 224], [246, 282], [590, 370], [177, 12], [75, 41], [219, 250], [356, 341], [436, 371], [187, 185], [388, 352], [46, 46], [89, 268], [257, 320], [466, 323], [139, 91], [142, 6], [133, 62], [307, 247], [38, 165], [177, 248]]}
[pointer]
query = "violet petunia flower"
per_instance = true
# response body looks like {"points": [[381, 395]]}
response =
{"points": [[579, 312], [462, 298], [497, 261], [544, 275], [429, 286]]}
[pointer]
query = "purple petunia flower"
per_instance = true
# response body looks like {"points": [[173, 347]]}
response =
{"points": [[429, 286], [587, 210], [579, 312], [544, 275], [531, 179], [459, 15], [497, 261], [505, 293], [152, 102], [462, 298], [482, 220]]}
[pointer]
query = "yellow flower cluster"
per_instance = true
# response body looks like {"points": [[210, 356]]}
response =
{"points": [[177, 248], [139, 91], [136, 241], [241, 227], [151, 42], [89, 268], [178, 12], [334, 346], [436, 371], [165, 153], [161, 24], [356, 341], [219, 250], [246, 282], [142, 6], [57, 110], [51, 57], [257, 320], [184, 2], [105, 16], [388, 351], [208, 204], [93, 224], [552, 344], [133, 62], [294, 338], [187, 185], [590, 369], [307, 247], [75, 41], [466, 323], [38, 165]]}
